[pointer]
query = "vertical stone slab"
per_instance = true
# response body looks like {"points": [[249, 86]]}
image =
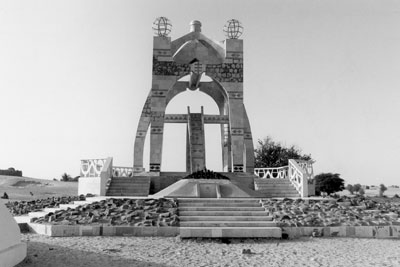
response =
{"points": [[196, 141]]}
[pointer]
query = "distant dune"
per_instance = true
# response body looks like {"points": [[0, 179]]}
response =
{"points": [[26, 188]]}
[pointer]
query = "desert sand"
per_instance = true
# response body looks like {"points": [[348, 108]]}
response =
{"points": [[160, 251]]}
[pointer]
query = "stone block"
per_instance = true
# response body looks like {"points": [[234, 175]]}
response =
{"points": [[64, 230], [109, 231], [365, 231], [162, 43]]}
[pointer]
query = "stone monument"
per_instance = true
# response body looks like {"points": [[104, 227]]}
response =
{"points": [[195, 55]]}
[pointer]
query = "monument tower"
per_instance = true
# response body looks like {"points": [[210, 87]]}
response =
{"points": [[196, 55]]}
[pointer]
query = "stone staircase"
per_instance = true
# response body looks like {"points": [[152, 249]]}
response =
{"points": [[225, 218], [129, 186], [276, 188]]}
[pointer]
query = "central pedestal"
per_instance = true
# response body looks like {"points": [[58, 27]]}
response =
{"points": [[207, 188]]}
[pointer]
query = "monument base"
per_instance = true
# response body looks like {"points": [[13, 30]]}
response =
{"points": [[207, 188]]}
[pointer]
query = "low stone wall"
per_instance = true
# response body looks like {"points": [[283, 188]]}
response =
{"points": [[101, 230], [392, 231]]}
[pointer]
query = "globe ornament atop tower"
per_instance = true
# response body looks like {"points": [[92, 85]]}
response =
{"points": [[233, 29], [162, 27]]}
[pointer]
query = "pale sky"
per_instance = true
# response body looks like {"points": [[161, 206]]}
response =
{"points": [[323, 75]]}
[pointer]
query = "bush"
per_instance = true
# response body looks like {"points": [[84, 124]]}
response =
{"points": [[357, 188], [271, 154], [350, 188], [382, 189], [361, 192], [67, 178], [328, 183]]}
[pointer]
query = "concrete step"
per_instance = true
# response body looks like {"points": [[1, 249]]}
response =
{"points": [[230, 232], [272, 181], [138, 189], [222, 213], [219, 200], [126, 194], [280, 191], [228, 224], [218, 204], [223, 208], [225, 218], [274, 186], [283, 195], [137, 179], [129, 186]]}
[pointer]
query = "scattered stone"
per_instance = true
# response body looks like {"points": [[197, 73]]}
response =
{"points": [[341, 212], [153, 212], [24, 207], [247, 251]]}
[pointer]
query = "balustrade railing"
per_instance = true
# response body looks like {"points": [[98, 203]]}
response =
{"points": [[272, 173], [299, 172], [122, 171], [92, 167]]}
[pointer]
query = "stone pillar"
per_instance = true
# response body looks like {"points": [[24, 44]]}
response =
{"points": [[196, 142]]}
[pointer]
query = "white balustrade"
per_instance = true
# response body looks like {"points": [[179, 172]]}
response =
{"points": [[122, 171], [92, 167], [299, 172], [272, 173]]}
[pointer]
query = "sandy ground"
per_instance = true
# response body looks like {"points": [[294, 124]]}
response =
{"points": [[147, 251]]}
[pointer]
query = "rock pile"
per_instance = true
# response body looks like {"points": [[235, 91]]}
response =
{"points": [[343, 212], [24, 207], [128, 212]]}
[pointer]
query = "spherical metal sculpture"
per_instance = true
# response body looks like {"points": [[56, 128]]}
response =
{"points": [[233, 29], [162, 26]]}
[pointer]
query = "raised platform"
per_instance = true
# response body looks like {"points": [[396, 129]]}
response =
{"points": [[225, 218]]}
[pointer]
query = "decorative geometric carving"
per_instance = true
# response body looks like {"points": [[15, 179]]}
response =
{"points": [[157, 129], [237, 131], [162, 26], [169, 68], [92, 167], [236, 95], [226, 72], [157, 116], [272, 173], [147, 107], [155, 167], [158, 93], [141, 134], [238, 168], [233, 29], [122, 171]]}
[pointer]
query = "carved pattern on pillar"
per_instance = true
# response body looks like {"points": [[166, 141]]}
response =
{"points": [[169, 68], [226, 72]]}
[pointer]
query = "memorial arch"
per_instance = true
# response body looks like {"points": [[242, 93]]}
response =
{"points": [[196, 55]]}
